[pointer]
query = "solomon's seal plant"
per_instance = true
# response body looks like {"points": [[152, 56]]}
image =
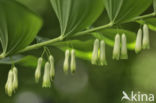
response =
{"points": [[80, 35]]}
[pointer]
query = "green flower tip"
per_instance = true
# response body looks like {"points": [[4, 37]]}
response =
{"points": [[116, 50]]}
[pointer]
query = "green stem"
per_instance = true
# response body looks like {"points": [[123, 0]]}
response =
{"points": [[36, 46], [143, 17], [94, 29]]}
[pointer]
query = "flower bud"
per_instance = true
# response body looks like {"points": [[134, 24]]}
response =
{"points": [[116, 50], [102, 58], [9, 84], [124, 54], [46, 77], [66, 62], [38, 70], [94, 59], [73, 61], [15, 78], [52, 68], [146, 41], [138, 45]]}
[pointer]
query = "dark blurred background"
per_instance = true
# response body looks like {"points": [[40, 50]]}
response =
{"points": [[90, 84]]}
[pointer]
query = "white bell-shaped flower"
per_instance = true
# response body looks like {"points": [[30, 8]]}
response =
{"points": [[94, 59], [38, 69], [138, 45], [52, 68], [124, 54], [73, 61], [46, 76], [146, 41], [9, 84], [66, 62], [15, 78], [102, 58], [116, 50]]}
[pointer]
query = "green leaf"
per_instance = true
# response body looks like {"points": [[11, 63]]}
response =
{"points": [[120, 11], [20, 59], [154, 5], [18, 26], [28, 61], [76, 15], [151, 22], [113, 8], [11, 60], [109, 34], [83, 49]]}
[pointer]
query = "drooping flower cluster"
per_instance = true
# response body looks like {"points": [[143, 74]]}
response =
{"points": [[72, 62], [142, 40], [12, 82], [117, 52], [49, 71], [99, 57], [120, 46]]}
